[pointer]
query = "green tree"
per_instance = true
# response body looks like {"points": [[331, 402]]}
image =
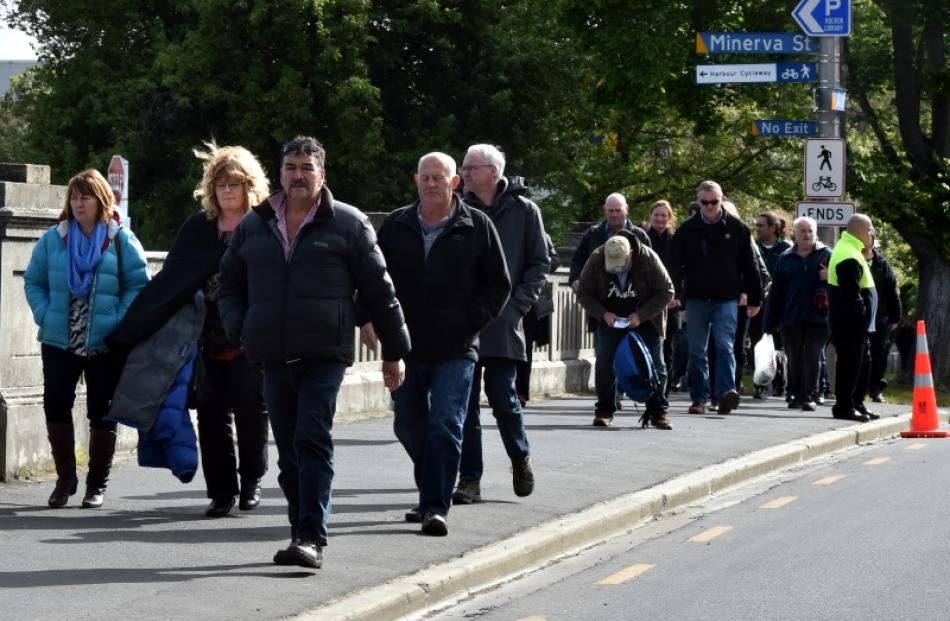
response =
{"points": [[900, 143]]}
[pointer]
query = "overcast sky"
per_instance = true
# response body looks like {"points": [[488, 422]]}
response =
{"points": [[15, 45]]}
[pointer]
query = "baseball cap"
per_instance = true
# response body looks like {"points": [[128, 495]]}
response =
{"points": [[616, 254]]}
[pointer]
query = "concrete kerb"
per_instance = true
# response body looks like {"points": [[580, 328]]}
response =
{"points": [[484, 566]]}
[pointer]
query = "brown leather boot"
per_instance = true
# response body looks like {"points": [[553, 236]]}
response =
{"points": [[63, 447], [101, 450]]}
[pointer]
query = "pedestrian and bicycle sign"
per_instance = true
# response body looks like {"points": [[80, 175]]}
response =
{"points": [[784, 128], [784, 72], [754, 43], [824, 167], [824, 18], [827, 214]]}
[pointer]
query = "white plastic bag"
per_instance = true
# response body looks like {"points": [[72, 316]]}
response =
{"points": [[764, 361]]}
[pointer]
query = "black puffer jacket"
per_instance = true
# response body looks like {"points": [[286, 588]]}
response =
{"points": [[303, 306], [452, 295], [885, 282]]}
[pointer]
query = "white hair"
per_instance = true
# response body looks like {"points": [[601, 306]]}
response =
{"points": [[617, 197], [811, 222], [490, 154], [446, 159]]}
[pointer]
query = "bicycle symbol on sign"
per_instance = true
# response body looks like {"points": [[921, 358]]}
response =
{"points": [[790, 74], [824, 183]]}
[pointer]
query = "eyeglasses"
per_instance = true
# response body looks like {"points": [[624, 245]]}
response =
{"points": [[473, 167], [714, 201], [234, 186]]}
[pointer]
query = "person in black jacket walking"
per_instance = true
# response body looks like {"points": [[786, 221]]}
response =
{"points": [[450, 275], [287, 292], [713, 256], [615, 219], [887, 319]]}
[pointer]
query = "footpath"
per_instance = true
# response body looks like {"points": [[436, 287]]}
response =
{"points": [[151, 553]]}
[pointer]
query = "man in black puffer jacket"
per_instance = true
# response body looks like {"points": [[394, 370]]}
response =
{"points": [[287, 287]]}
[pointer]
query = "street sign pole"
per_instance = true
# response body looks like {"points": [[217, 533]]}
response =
{"points": [[829, 78]]}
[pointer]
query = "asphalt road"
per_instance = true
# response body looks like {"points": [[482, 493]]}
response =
{"points": [[862, 536], [150, 552]]}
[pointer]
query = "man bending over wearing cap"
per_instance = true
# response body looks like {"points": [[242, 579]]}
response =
{"points": [[624, 287]]}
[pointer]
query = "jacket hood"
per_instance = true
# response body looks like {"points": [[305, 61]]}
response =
{"points": [[112, 227], [635, 245]]}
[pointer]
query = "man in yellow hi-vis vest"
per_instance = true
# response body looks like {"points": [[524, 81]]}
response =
{"points": [[851, 312]]}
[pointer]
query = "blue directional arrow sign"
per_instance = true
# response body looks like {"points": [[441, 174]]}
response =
{"points": [[824, 18]]}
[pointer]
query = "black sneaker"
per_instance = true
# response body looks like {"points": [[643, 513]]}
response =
{"points": [[414, 515], [871, 415], [728, 402], [302, 553], [468, 492], [808, 406], [435, 525], [522, 477], [852, 415]]}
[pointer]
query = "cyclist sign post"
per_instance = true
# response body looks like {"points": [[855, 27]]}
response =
{"points": [[824, 167]]}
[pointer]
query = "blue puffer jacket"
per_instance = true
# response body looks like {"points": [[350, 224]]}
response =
{"points": [[171, 442], [798, 295], [47, 290]]}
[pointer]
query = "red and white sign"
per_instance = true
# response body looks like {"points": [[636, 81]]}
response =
{"points": [[118, 177]]}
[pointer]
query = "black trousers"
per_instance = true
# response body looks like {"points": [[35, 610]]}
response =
{"points": [[237, 387], [852, 370], [880, 347], [61, 372], [803, 344]]}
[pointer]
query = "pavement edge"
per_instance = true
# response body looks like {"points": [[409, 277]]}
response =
{"points": [[413, 593]]}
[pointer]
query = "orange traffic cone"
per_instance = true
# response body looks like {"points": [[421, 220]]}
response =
{"points": [[924, 423]]}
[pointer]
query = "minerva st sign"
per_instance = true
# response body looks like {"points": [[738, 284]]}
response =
{"points": [[785, 72], [754, 43]]}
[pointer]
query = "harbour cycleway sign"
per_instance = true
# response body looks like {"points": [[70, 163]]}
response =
{"points": [[754, 43], [783, 128], [783, 72], [824, 18]]}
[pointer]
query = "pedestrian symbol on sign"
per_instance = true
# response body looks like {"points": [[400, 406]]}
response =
{"points": [[825, 157]]}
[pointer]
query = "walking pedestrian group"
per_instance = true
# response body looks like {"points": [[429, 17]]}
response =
{"points": [[252, 317]]}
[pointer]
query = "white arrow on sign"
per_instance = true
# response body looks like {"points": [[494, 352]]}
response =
{"points": [[806, 15]]}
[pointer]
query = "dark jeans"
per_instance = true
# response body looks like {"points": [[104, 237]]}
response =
{"points": [[430, 411], [500, 389], [851, 371], [804, 343], [606, 341], [237, 387], [61, 372], [301, 401], [879, 349]]}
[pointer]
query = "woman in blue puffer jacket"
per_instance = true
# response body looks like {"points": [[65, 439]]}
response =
{"points": [[83, 275]]}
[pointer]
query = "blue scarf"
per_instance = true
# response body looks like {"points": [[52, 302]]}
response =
{"points": [[84, 255]]}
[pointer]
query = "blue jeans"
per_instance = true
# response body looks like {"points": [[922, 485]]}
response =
{"points": [[430, 411], [721, 318], [301, 401], [606, 341], [500, 389]]}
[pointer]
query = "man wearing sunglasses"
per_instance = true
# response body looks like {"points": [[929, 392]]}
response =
{"points": [[712, 256]]}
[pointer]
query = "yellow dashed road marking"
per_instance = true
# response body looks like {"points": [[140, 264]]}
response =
{"points": [[626, 574], [877, 461], [710, 534], [781, 501], [915, 447], [829, 480]]}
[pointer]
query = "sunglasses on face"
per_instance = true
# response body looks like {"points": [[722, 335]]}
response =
{"points": [[714, 201]]}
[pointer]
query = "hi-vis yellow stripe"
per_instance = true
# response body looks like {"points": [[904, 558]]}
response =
{"points": [[781, 501], [626, 574], [915, 447], [710, 534], [829, 480]]}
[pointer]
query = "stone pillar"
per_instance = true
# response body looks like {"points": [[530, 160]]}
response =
{"points": [[29, 205]]}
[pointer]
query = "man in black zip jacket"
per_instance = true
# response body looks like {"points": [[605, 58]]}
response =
{"points": [[712, 256], [286, 292], [449, 269]]}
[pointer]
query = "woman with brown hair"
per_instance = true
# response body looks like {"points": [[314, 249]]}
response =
{"points": [[232, 182], [82, 277]]}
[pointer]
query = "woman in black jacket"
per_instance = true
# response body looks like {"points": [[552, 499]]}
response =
{"points": [[659, 227], [233, 180]]}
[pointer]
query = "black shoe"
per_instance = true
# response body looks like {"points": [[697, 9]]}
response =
{"points": [[728, 402], [468, 492], [871, 415], [795, 404], [220, 507], [301, 553], [760, 393], [522, 477], [250, 495], [877, 397], [852, 415], [808, 406], [435, 525], [819, 400], [414, 515]]}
